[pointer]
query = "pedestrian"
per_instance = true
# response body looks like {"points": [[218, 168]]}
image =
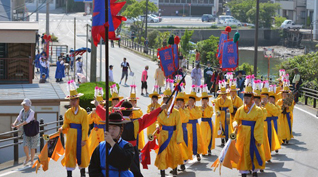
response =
{"points": [[121, 152], [196, 75], [177, 13], [45, 67], [119, 39], [72, 55], [26, 120], [240, 83], [79, 67], [208, 72], [75, 126], [125, 66], [112, 43], [159, 78], [37, 39], [67, 63], [197, 57], [59, 72], [249, 125], [110, 74], [42, 39], [297, 81], [144, 77], [216, 77], [37, 61]]}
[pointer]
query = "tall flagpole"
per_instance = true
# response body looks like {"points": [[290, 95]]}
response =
{"points": [[106, 81]]}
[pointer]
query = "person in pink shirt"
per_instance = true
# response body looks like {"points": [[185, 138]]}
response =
{"points": [[144, 77]]}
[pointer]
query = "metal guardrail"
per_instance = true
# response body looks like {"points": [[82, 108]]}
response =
{"points": [[16, 137], [309, 93]]}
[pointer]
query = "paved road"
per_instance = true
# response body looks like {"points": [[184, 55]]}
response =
{"points": [[296, 159]]}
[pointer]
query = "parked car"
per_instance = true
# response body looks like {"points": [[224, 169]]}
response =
{"points": [[232, 22], [289, 24], [132, 20], [247, 24], [150, 19], [156, 16], [222, 18], [207, 18]]}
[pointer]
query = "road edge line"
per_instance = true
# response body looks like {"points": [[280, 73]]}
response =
{"points": [[309, 113]]}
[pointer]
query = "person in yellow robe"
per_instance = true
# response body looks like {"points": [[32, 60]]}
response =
{"points": [[285, 129], [249, 123], [136, 114], [97, 133], [272, 111], [223, 105], [196, 142], [75, 126], [207, 126], [184, 116], [154, 105], [275, 120], [236, 100], [169, 137]]}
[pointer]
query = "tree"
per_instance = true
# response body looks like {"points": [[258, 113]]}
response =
{"points": [[162, 37], [185, 42], [207, 49], [239, 8], [152, 38], [279, 20], [128, 3], [266, 14]]}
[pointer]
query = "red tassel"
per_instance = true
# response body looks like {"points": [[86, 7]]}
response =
{"points": [[228, 29]]}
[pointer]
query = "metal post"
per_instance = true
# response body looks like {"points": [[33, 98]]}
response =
{"points": [[183, 10], [41, 134], [106, 81], [37, 10], [315, 24], [100, 59], [74, 48], [47, 18], [146, 46], [66, 7], [86, 52], [256, 38], [16, 147], [61, 135]]}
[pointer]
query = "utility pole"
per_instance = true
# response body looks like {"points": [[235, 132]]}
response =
{"points": [[146, 46], [47, 17], [256, 38], [66, 7], [315, 20], [37, 10], [101, 58], [86, 51], [74, 48]]}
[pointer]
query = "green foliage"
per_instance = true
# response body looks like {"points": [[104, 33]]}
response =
{"points": [[152, 38], [139, 8], [161, 38], [185, 42], [54, 38], [208, 50], [307, 66], [128, 3], [279, 20], [239, 8], [214, 27], [88, 90], [249, 69], [142, 40]]}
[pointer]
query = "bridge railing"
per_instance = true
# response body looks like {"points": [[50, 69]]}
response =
{"points": [[309, 93], [14, 136]]}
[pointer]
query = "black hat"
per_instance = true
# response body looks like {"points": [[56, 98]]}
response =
{"points": [[127, 108], [78, 58], [116, 119]]}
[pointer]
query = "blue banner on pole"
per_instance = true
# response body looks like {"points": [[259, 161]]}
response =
{"points": [[230, 55], [167, 61], [223, 37], [176, 56]]}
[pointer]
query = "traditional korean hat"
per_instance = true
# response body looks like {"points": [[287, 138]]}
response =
{"points": [[282, 72], [204, 91], [265, 87], [71, 87], [116, 118], [248, 85], [233, 86], [169, 86], [222, 87], [286, 84], [229, 75], [155, 92], [257, 88], [272, 91], [182, 94], [133, 91], [114, 92], [98, 94], [193, 93]]}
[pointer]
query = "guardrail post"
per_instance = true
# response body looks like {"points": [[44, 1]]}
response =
{"points": [[41, 134], [306, 99], [192, 64], [16, 147], [61, 135], [188, 64], [314, 103]]}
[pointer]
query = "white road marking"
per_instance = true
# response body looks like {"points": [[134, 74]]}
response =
{"points": [[311, 114]]}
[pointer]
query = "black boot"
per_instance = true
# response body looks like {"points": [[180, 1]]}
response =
{"points": [[175, 173], [254, 174], [262, 171], [69, 173], [222, 141], [209, 153], [243, 175], [276, 151], [269, 161], [83, 172], [198, 157], [182, 167], [162, 173]]}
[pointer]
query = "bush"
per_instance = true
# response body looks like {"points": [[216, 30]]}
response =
{"points": [[279, 20], [249, 69], [152, 38], [208, 49], [214, 27], [88, 90]]}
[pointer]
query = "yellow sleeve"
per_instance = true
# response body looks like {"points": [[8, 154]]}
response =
{"points": [[137, 114], [239, 102], [272, 109], [66, 123], [90, 118], [217, 107], [136, 128], [208, 112], [179, 127], [230, 106], [259, 127], [278, 110], [84, 126], [237, 117], [196, 112]]}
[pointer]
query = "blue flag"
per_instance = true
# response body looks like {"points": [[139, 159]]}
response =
{"points": [[167, 61]]}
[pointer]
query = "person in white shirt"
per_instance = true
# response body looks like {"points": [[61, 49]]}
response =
{"points": [[45, 65], [79, 67], [110, 74]]}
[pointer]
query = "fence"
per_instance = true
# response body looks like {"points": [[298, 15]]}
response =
{"points": [[16, 137], [309, 93], [56, 50]]}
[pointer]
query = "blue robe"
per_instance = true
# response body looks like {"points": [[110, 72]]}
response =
{"points": [[37, 61], [45, 71], [59, 72]]}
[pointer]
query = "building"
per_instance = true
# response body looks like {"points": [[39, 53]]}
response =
{"points": [[13, 10], [294, 10], [17, 51], [32, 4]]}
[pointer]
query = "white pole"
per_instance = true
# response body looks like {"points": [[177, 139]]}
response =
{"points": [[86, 50], [315, 31], [100, 61]]}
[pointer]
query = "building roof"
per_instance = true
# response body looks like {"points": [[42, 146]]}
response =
{"points": [[19, 26]]}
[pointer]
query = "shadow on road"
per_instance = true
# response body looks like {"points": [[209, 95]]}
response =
{"points": [[199, 166], [276, 167], [294, 144], [281, 157]]}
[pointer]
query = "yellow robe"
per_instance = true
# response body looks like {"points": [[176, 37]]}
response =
{"points": [[170, 157], [237, 102], [186, 151], [220, 103], [265, 145], [195, 114], [243, 139], [153, 126], [141, 137], [70, 159], [272, 111], [284, 132], [97, 134], [208, 135]]}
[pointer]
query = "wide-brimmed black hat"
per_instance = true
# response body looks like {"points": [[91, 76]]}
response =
{"points": [[116, 119]]}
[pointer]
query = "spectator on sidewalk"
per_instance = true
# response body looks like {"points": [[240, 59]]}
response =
{"points": [[240, 84], [110, 74], [37, 61], [112, 43], [79, 68], [59, 72], [144, 77], [72, 55], [196, 75], [208, 72], [67, 64], [197, 57], [25, 117], [42, 39], [296, 84], [159, 77], [125, 66]]}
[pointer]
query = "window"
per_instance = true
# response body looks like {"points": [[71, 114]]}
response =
{"points": [[303, 14]]}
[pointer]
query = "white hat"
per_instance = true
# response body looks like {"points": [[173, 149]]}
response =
{"points": [[26, 102]]}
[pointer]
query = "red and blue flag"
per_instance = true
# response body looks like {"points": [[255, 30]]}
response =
{"points": [[99, 23]]}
